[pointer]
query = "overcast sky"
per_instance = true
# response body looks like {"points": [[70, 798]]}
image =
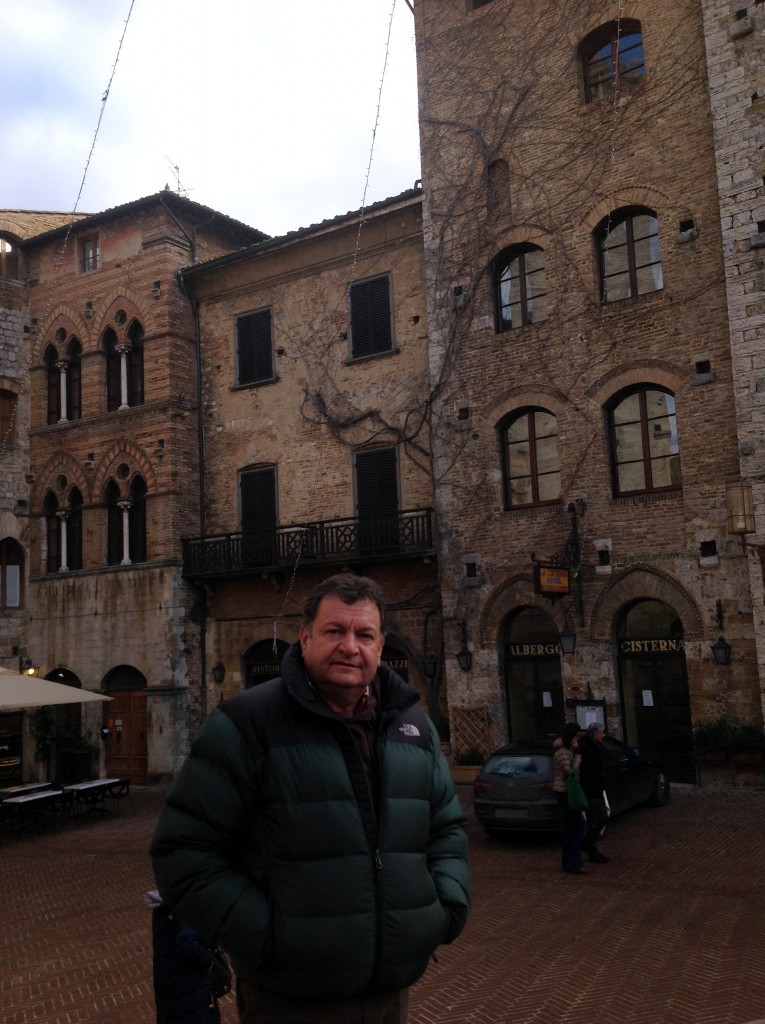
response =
{"points": [[266, 108]]}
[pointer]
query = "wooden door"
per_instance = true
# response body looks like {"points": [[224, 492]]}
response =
{"points": [[127, 746]]}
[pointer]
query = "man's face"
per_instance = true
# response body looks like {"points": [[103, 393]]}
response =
{"points": [[342, 647], [598, 736]]}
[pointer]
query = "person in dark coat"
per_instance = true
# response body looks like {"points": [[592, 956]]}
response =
{"points": [[182, 969], [591, 777], [314, 832]]}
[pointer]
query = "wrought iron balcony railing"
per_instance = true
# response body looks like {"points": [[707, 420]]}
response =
{"points": [[406, 535]]}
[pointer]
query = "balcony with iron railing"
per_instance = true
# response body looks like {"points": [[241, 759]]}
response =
{"points": [[349, 542]]}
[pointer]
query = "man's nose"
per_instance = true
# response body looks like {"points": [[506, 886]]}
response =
{"points": [[349, 641]]}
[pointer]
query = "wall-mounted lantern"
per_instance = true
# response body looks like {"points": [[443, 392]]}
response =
{"points": [[721, 651], [464, 657], [219, 672]]}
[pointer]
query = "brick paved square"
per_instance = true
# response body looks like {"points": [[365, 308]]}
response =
{"points": [[671, 931]]}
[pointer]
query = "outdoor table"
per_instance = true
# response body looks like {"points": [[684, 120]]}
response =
{"points": [[25, 787], [91, 795], [37, 805]]}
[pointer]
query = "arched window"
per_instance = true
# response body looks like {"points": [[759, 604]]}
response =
{"points": [[630, 255], [113, 524], [137, 520], [74, 530], [124, 365], [645, 451], [612, 59], [74, 380], [125, 522], [53, 383], [530, 457], [135, 365], [521, 292], [9, 258], [8, 409], [52, 533], [11, 573]]}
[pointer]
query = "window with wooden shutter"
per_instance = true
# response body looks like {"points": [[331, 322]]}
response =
{"points": [[377, 500], [113, 371], [52, 380], [113, 524], [52, 534], [257, 491], [254, 352], [370, 317], [137, 520], [74, 380], [135, 365], [74, 530], [8, 408]]}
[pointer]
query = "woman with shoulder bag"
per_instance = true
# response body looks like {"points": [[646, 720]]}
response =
{"points": [[567, 760]]}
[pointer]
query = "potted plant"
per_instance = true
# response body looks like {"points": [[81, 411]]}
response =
{"points": [[724, 745], [75, 753]]}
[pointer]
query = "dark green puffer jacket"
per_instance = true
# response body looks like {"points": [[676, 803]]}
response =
{"points": [[270, 847]]}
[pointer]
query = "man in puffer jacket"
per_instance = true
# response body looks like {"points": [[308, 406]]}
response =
{"points": [[314, 832]]}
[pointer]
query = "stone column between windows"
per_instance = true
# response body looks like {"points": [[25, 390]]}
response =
{"points": [[123, 354], [125, 506], [63, 514], [62, 366]]}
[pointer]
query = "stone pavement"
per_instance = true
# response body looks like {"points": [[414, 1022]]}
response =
{"points": [[672, 931]]}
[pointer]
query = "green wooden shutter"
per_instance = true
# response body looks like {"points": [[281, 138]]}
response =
{"points": [[370, 317]]}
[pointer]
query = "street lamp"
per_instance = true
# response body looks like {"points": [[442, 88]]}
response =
{"points": [[568, 640], [721, 651], [464, 657]]}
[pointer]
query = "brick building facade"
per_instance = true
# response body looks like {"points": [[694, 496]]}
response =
{"points": [[105, 452], [577, 310]]}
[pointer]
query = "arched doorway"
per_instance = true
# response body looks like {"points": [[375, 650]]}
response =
{"points": [[533, 682], [71, 756], [262, 663], [127, 744], [653, 686]]}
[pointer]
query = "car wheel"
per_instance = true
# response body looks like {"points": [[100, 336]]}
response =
{"points": [[660, 795]]}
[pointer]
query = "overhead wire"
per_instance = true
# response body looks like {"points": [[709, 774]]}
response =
{"points": [[59, 260], [357, 246]]}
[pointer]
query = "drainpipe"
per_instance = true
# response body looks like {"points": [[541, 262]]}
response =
{"points": [[194, 303]]}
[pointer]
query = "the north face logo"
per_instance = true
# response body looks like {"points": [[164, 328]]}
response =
{"points": [[409, 730]]}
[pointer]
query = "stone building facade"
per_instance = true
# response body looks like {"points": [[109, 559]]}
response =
{"points": [[578, 315], [524, 398], [316, 444], [735, 47]]}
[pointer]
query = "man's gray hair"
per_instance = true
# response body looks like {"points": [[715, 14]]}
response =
{"points": [[595, 727]]}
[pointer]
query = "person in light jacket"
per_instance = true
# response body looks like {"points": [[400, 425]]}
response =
{"points": [[567, 759]]}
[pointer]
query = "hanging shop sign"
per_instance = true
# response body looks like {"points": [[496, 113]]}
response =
{"points": [[551, 580]]}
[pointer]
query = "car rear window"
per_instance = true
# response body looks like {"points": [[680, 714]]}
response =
{"points": [[519, 764]]}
